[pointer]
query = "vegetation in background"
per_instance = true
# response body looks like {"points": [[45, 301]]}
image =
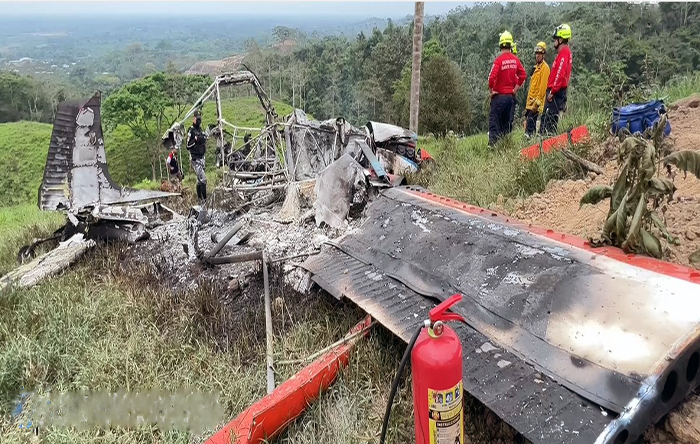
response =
{"points": [[151, 105], [113, 324], [623, 52]]}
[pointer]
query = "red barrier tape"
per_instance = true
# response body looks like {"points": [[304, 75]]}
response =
{"points": [[268, 417], [645, 262], [578, 134]]}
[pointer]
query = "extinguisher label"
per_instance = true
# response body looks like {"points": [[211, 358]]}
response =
{"points": [[446, 415]]}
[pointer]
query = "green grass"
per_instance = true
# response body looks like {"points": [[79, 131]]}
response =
{"points": [[18, 226], [466, 170], [679, 88], [108, 324], [23, 149]]}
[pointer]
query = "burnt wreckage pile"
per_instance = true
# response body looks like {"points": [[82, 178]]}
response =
{"points": [[281, 159]]}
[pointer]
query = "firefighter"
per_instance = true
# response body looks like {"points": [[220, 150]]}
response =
{"points": [[538, 90], [558, 81], [507, 76], [197, 146]]}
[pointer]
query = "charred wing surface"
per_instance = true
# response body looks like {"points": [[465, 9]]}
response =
{"points": [[76, 173], [536, 406], [617, 335]]}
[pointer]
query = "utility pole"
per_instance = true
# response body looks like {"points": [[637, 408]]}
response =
{"points": [[415, 72]]}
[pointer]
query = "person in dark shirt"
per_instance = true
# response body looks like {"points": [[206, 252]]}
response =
{"points": [[197, 146]]}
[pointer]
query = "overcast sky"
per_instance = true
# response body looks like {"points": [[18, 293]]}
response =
{"points": [[359, 9]]}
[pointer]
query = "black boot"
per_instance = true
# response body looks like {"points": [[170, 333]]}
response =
{"points": [[199, 191], [204, 191]]}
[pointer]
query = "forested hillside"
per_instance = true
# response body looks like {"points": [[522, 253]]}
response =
{"points": [[621, 52]]}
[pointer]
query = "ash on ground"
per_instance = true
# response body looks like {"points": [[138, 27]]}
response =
{"points": [[171, 248]]}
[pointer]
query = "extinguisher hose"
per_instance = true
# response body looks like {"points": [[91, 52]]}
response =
{"points": [[395, 384]]}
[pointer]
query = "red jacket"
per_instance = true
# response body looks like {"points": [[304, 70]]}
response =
{"points": [[507, 71], [561, 71]]}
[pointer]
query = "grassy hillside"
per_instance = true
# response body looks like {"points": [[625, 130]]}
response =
{"points": [[24, 145], [23, 148]]}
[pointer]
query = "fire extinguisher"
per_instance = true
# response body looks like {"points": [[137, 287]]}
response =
{"points": [[436, 363]]}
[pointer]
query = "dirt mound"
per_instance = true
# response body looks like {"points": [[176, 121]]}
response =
{"points": [[689, 102], [558, 206]]}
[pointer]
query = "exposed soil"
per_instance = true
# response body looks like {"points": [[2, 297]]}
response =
{"points": [[558, 208]]}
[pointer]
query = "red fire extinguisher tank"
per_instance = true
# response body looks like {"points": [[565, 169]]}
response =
{"points": [[436, 363]]}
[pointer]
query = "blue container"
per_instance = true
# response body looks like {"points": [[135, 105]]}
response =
{"points": [[637, 117]]}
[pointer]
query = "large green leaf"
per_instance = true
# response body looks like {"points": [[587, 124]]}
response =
{"points": [[661, 226], [651, 244], [616, 223], [595, 195], [662, 186], [632, 238], [688, 161], [647, 169], [695, 258], [632, 148], [620, 188]]}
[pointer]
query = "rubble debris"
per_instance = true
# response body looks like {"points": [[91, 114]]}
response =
{"points": [[394, 139], [48, 264], [396, 164], [268, 329], [314, 145], [373, 161], [339, 186], [291, 208], [213, 252]]}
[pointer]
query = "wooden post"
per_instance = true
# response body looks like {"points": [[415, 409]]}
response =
{"points": [[268, 329], [415, 72]]}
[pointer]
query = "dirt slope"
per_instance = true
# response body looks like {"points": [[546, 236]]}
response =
{"points": [[558, 208]]}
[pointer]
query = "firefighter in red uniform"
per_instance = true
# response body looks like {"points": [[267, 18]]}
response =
{"points": [[558, 81], [507, 76]]}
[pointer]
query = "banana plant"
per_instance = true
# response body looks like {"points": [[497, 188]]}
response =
{"points": [[633, 222]]}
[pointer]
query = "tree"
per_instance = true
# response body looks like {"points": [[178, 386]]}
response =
{"points": [[444, 102], [415, 72], [23, 98], [150, 105]]}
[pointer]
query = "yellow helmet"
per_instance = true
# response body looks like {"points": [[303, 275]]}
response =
{"points": [[505, 39], [541, 48], [562, 31], [514, 48]]}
